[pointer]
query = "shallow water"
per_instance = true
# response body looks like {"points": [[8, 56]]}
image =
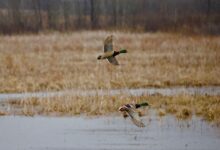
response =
{"points": [[110, 133], [169, 91]]}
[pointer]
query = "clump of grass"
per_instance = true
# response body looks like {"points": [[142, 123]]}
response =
{"points": [[184, 113], [209, 109], [161, 112], [171, 109], [2, 113], [27, 111]]}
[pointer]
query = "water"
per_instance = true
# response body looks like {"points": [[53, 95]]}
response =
{"points": [[109, 133], [169, 91]]}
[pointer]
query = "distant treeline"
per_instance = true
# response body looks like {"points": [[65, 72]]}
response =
{"points": [[199, 16]]}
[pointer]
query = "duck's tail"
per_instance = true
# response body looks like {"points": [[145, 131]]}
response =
{"points": [[123, 51], [141, 104]]}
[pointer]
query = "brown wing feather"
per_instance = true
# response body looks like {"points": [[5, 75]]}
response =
{"points": [[113, 60], [108, 46]]}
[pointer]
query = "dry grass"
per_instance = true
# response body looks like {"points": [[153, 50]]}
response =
{"points": [[2, 113], [161, 112], [57, 61], [182, 106], [69, 105]]}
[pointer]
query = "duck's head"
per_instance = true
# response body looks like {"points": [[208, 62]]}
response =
{"points": [[99, 57], [145, 104]]}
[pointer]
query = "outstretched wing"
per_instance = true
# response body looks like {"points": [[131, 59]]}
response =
{"points": [[108, 46], [135, 117], [113, 60]]}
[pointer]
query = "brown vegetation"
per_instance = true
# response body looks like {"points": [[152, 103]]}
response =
{"points": [[56, 61], [2, 113], [182, 106]]}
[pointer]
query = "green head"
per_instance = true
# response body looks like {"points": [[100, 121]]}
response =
{"points": [[141, 105], [123, 51], [144, 104]]}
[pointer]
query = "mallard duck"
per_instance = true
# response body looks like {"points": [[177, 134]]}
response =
{"points": [[130, 110], [109, 53]]}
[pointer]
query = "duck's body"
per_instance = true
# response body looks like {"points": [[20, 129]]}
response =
{"points": [[130, 110], [109, 53]]}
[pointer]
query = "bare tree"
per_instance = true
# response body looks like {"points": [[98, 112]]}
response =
{"points": [[67, 7], [14, 7], [115, 12], [208, 7], [38, 16], [78, 14], [93, 14]]}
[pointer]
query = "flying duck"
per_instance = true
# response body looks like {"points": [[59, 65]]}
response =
{"points": [[130, 110], [109, 53]]}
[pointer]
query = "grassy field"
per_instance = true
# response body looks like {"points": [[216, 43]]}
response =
{"points": [[182, 106], [58, 61]]}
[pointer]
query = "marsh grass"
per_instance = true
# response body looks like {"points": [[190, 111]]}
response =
{"points": [[58, 61], [184, 106], [181, 106], [161, 112], [71, 105], [2, 113]]}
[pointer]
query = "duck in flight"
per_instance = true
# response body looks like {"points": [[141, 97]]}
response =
{"points": [[131, 111], [109, 53]]}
